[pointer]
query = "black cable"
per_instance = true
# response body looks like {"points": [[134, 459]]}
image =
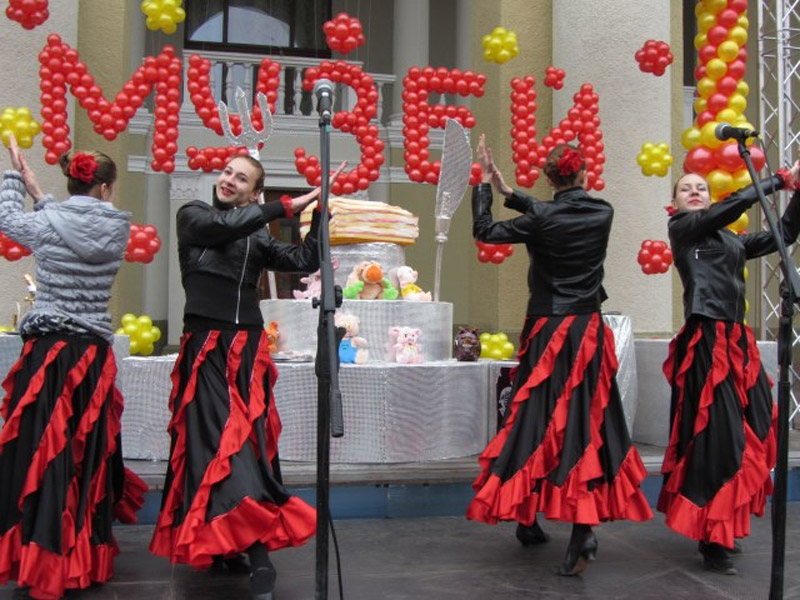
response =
{"points": [[338, 557]]}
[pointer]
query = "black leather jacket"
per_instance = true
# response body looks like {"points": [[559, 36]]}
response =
{"points": [[710, 258], [222, 254], [566, 241]]}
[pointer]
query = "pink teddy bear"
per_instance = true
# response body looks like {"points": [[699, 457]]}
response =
{"points": [[313, 284], [403, 345]]}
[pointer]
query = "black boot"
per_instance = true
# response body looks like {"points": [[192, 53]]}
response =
{"points": [[581, 549], [263, 575], [529, 535], [715, 558]]}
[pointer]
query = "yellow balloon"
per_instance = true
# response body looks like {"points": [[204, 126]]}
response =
{"points": [[744, 22], [144, 322], [716, 69], [508, 350], [706, 86], [728, 51], [738, 35], [130, 329], [720, 182], [502, 336], [120, 331], [727, 115], [705, 22], [145, 349], [700, 105], [690, 138], [134, 346], [746, 305], [743, 88], [740, 224], [708, 135], [156, 332], [128, 318], [496, 354], [700, 40], [741, 178], [484, 337], [737, 102], [715, 6], [494, 339], [745, 273], [146, 337]]}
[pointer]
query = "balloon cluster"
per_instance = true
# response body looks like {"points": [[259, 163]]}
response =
{"points": [[654, 257], [11, 250], [654, 159], [28, 13], [143, 243], [554, 78], [496, 346], [61, 67], [344, 33], [163, 14], [494, 253], [500, 46], [581, 124], [419, 116], [721, 97], [142, 332], [356, 122], [20, 123], [654, 57]]}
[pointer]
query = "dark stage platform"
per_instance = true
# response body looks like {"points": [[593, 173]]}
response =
{"points": [[448, 557]]}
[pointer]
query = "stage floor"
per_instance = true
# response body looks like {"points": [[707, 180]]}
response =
{"points": [[449, 557]]}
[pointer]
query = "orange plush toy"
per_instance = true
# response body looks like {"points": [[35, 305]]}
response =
{"points": [[367, 282]]}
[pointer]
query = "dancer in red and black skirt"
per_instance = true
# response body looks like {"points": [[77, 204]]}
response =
{"points": [[564, 449], [60, 455], [722, 436], [223, 493]]}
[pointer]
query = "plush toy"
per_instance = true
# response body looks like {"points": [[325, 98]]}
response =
{"points": [[403, 345], [467, 345], [405, 279], [313, 284], [352, 349], [272, 335], [367, 282]]}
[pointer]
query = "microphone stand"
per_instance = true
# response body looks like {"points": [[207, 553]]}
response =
{"points": [[791, 289], [329, 397]]}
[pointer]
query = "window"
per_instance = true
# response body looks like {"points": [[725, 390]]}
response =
{"points": [[283, 27]]}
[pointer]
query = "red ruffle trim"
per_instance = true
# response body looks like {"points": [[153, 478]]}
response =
{"points": [[48, 574], [573, 501], [727, 515], [195, 540], [132, 499]]}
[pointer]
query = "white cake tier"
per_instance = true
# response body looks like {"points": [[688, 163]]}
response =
{"points": [[297, 322]]}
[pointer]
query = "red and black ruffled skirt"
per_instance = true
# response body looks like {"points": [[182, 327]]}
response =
{"points": [[63, 481], [564, 449], [722, 442], [223, 490]]}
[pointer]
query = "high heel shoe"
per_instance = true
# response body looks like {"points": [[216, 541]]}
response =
{"points": [[262, 583], [532, 534], [581, 550], [715, 558]]}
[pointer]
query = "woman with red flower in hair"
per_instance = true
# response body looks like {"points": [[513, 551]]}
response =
{"points": [[60, 454], [564, 449]]}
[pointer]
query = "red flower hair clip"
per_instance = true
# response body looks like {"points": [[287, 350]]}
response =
{"points": [[82, 167], [570, 162]]}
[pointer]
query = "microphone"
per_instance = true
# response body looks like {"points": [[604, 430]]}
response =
{"points": [[726, 131], [323, 90]]}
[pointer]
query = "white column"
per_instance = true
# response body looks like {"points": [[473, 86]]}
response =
{"points": [[635, 108], [464, 41], [410, 45]]}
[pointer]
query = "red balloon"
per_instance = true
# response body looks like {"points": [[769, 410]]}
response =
{"points": [[699, 160]]}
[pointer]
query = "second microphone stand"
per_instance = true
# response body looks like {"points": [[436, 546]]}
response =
{"points": [[329, 397]]}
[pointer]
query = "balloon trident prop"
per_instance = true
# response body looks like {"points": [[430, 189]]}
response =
{"points": [[453, 180], [250, 139]]}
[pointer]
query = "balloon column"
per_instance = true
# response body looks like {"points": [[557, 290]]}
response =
{"points": [[142, 332], [654, 159], [654, 257], [163, 14], [61, 67], [500, 46], [654, 57], [554, 78], [20, 123], [495, 253], [11, 250], [28, 13], [344, 33], [721, 97], [143, 243], [496, 346]]}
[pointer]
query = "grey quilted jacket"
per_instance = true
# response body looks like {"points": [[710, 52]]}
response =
{"points": [[78, 245]]}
